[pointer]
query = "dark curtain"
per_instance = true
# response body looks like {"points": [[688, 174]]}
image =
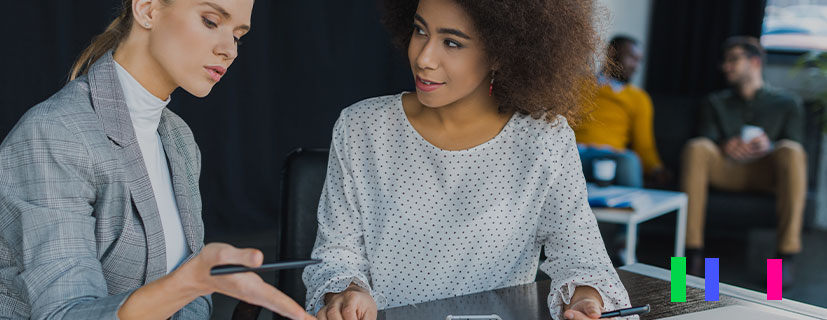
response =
{"points": [[685, 42], [300, 65]]}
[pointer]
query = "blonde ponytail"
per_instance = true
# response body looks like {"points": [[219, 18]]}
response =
{"points": [[109, 39]]}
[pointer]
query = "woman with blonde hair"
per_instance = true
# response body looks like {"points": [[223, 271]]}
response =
{"points": [[100, 208]]}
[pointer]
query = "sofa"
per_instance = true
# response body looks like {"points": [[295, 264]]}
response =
{"points": [[676, 121]]}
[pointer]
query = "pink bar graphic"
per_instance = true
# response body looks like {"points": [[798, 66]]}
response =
{"points": [[773, 279]]}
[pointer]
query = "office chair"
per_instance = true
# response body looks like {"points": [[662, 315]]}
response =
{"points": [[303, 177]]}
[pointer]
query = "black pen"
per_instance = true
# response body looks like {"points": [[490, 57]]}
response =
{"points": [[230, 269], [626, 312]]}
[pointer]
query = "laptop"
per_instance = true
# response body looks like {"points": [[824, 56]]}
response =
{"points": [[739, 313]]}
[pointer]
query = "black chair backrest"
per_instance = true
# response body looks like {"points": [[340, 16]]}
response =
{"points": [[813, 134], [302, 181], [675, 122]]}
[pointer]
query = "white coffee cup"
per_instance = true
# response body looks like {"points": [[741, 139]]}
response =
{"points": [[604, 169], [749, 132]]}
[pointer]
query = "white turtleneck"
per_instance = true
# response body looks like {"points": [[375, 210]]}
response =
{"points": [[145, 110]]}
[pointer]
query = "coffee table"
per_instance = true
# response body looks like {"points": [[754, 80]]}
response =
{"points": [[658, 203]]}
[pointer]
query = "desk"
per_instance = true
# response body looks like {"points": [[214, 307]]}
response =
{"points": [[644, 283], [659, 203]]}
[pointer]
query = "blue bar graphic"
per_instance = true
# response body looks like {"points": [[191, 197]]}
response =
{"points": [[711, 279]]}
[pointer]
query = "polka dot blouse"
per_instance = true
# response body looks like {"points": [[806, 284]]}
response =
{"points": [[412, 223]]}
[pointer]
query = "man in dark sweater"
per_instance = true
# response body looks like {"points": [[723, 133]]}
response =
{"points": [[751, 137]]}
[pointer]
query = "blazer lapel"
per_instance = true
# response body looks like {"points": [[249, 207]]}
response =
{"points": [[110, 106], [177, 159]]}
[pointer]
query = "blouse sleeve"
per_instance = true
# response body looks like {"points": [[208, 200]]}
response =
{"points": [[339, 240], [568, 230]]}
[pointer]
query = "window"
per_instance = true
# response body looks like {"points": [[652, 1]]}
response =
{"points": [[795, 25]]}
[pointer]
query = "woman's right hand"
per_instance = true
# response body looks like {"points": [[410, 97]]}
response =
{"points": [[355, 303], [246, 286]]}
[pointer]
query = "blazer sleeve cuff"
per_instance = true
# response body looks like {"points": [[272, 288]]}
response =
{"points": [[99, 308]]}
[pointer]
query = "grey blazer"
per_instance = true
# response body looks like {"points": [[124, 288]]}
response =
{"points": [[79, 225]]}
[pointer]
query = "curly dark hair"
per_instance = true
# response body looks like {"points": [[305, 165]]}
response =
{"points": [[546, 50]]}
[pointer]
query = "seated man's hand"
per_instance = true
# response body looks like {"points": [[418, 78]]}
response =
{"points": [[586, 304], [759, 146], [355, 303], [737, 150]]}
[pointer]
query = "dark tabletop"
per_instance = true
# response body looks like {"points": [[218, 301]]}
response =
{"points": [[529, 301]]}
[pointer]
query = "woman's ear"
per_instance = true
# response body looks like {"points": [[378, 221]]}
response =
{"points": [[142, 12]]}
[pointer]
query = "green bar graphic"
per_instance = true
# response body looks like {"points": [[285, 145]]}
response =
{"points": [[678, 279]]}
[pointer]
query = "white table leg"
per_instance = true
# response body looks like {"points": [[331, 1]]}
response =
{"points": [[631, 243], [680, 235]]}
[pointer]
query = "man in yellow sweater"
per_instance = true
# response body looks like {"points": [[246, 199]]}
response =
{"points": [[620, 126]]}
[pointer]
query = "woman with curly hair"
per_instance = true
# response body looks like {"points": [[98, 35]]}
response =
{"points": [[455, 188]]}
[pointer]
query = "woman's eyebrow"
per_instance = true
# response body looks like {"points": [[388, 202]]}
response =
{"points": [[455, 32], [223, 12], [421, 20]]}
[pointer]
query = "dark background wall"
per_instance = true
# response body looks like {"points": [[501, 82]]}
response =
{"points": [[685, 42], [300, 65]]}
